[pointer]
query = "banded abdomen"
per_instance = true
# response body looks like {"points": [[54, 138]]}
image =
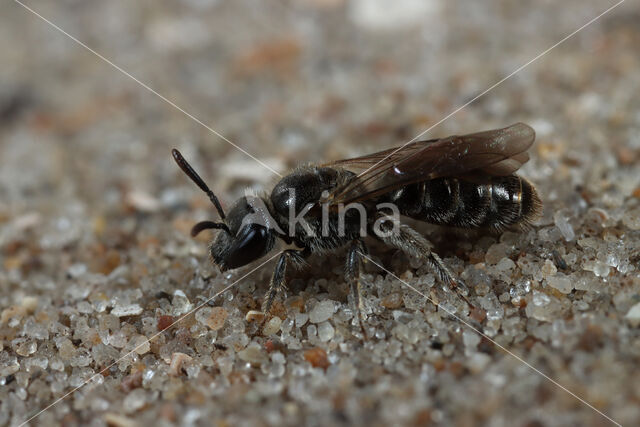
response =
{"points": [[497, 203]]}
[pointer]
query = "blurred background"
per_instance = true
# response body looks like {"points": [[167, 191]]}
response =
{"points": [[291, 82], [86, 176]]}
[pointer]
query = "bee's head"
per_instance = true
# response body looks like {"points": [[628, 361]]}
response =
{"points": [[245, 234], [246, 238]]}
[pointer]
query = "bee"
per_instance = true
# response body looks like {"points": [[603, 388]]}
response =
{"points": [[466, 181]]}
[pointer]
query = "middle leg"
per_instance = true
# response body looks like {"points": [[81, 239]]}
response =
{"points": [[288, 256]]}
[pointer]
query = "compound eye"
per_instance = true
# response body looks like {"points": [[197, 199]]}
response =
{"points": [[251, 242]]}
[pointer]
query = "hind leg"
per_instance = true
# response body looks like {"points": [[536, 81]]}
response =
{"points": [[355, 256], [414, 244], [352, 275]]}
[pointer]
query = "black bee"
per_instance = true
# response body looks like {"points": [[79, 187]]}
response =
{"points": [[464, 181]]}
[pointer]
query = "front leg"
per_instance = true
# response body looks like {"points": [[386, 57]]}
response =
{"points": [[288, 256], [414, 244], [355, 256]]}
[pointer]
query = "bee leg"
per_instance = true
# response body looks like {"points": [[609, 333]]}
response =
{"points": [[287, 257], [415, 244], [352, 275]]}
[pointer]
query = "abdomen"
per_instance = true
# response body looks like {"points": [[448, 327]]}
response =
{"points": [[499, 203]]}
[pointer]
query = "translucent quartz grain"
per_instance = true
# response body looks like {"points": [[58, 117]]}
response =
{"points": [[325, 331], [321, 311]]}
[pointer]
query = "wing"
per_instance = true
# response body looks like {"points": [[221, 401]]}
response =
{"points": [[495, 152]]}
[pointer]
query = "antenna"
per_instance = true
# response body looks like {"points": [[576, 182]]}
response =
{"points": [[187, 169], [207, 225]]}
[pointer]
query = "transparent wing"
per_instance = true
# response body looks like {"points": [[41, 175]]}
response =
{"points": [[495, 152]]}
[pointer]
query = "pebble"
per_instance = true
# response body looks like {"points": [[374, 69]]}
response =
{"points": [[301, 319], [126, 310], [117, 420], [272, 326], [134, 401], [164, 322], [77, 270], [26, 221], [29, 303], [563, 225], [505, 264], [13, 312], [392, 301], [478, 362], [374, 15], [543, 307], [225, 364], [325, 331], [496, 253], [244, 169], [631, 219], [213, 317], [143, 202], [253, 354], [66, 349], [180, 303], [140, 344], [27, 348], [254, 316], [633, 315], [470, 339], [549, 268], [561, 283], [37, 362], [540, 299], [131, 382], [177, 360], [598, 268], [295, 302], [317, 357], [322, 311]]}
